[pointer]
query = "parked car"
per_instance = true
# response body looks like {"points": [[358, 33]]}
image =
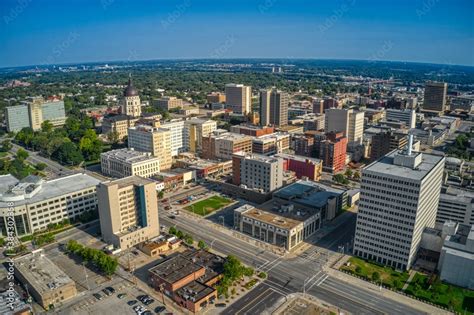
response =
{"points": [[148, 301], [111, 289], [122, 295], [160, 309], [132, 302], [221, 305], [97, 296], [107, 292]]}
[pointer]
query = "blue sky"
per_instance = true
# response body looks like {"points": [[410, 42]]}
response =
{"points": [[47, 31]]}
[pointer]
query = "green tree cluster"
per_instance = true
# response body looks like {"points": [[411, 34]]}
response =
{"points": [[105, 263], [233, 270]]}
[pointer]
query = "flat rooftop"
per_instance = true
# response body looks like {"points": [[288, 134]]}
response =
{"points": [[41, 273], [175, 269], [385, 165], [49, 189], [281, 220], [308, 193], [129, 155], [194, 291], [127, 181], [256, 157], [298, 158]]}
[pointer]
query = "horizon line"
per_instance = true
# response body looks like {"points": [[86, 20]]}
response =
{"points": [[231, 58]]}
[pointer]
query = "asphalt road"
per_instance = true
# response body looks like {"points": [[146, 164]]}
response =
{"points": [[286, 276]]}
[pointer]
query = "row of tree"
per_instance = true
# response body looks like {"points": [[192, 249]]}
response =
{"points": [[104, 262], [75, 142], [187, 238]]}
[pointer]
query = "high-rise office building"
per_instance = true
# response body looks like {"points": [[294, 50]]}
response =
{"points": [[347, 121], [128, 211], [408, 116], [273, 108], [176, 128], [194, 130], [17, 118], [34, 112], [157, 141], [257, 171], [239, 98], [332, 149], [130, 103], [386, 141], [398, 200], [435, 96]]}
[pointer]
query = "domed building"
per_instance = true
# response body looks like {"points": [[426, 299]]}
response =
{"points": [[130, 102]]}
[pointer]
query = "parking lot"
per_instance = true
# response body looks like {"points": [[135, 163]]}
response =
{"points": [[111, 304]]}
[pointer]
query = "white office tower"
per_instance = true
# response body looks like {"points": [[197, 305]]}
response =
{"points": [[398, 200]]}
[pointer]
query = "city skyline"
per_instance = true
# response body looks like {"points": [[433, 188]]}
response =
{"points": [[108, 30]]}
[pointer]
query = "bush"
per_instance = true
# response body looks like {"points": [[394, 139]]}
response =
{"points": [[262, 275], [358, 270], [375, 276]]}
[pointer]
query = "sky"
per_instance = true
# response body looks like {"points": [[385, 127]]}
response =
{"points": [[36, 32]]}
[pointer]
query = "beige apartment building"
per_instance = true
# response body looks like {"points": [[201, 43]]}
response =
{"points": [[194, 130], [274, 143], [157, 141], [168, 102], [127, 162], [239, 98], [128, 211], [118, 124], [347, 121], [223, 145]]}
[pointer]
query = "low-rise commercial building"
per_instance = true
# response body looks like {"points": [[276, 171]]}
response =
{"points": [[456, 262], [127, 162], [204, 168], [46, 282], [128, 211], [252, 130], [168, 102], [302, 166], [215, 97], [456, 205], [38, 203], [188, 278]]}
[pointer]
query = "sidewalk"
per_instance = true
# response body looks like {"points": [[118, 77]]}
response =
{"points": [[423, 307]]}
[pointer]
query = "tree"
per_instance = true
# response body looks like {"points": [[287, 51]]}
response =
{"points": [[202, 244], [179, 234], [358, 269], [69, 154], [113, 137], [356, 175], [188, 239], [46, 126], [90, 145], [40, 166], [6, 146], [161, 194], [22, 155], [172, 230], [375, 276], [348, 173], [339, 178]]}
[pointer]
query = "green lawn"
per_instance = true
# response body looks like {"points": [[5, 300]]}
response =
{"points": [[3, 154], [433, 291], [206, 206], [442, 294], [390, 277]]}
